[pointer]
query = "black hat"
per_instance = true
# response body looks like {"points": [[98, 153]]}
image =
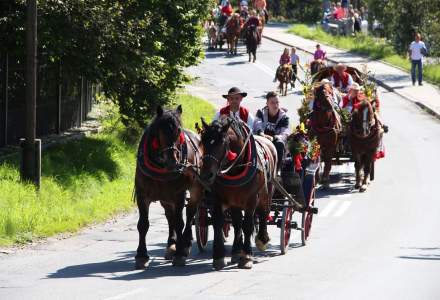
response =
{"points": [[234, 91]]}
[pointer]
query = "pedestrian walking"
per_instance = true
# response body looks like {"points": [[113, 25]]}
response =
{"points": [[294, 61], [417, 50]]}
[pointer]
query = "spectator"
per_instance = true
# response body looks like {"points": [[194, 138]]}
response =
{"points": [[339, 12], [417, 50], [357, 21]]}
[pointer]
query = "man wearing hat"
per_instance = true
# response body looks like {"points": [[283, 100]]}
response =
{"points": [[234, 109], [341, 79], [351, 100]]}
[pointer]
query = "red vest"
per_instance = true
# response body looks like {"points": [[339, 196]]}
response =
{"points": [[244, 113], [338, 79]]}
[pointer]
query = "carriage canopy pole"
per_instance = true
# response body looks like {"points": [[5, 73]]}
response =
{"points": [[30, 162]]}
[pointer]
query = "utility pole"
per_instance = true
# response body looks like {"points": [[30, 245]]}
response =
{"points": [[31, 149]]}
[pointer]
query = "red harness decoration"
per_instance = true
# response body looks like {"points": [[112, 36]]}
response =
{"points": [[243, 112], [181, 138], [231, 155]]}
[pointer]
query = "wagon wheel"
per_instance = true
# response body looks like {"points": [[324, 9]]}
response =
{"points": [[202, 230], [307, 215], [286, 229]]}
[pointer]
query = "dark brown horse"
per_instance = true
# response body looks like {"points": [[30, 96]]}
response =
{"points": [[316, 66], [365, 135], [165, 154], [252, 42], [238, 167], [233, 28], [284, 75], [326, 126]]}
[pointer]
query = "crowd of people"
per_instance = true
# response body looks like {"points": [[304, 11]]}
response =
{"points": [[343, 11]]}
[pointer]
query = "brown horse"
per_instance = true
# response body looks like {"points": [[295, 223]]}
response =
{"points": [[326, 126], [284, 75], [165, 154], [252, 42], [316, 66], [212, 37], [233, 28], [365, 135], [238, 167]]}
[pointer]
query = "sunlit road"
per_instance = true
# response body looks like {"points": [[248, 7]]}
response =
{"points": [[382, 244]]}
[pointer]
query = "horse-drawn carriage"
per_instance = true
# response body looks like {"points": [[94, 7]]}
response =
{"points": [[343, 135], [294, 191]]}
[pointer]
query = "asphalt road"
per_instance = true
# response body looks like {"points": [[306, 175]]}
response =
{"points": [[382, 244]]}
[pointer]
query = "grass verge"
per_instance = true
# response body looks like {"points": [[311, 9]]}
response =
{"points": [[84, 181], [376, 48]]}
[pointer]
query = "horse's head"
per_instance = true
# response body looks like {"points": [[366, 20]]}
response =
{"points": [[215, 145], [166, 136], [363, 119], [324, 97]]}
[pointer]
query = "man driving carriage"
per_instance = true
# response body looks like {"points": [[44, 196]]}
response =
{"points": [[341, 79], [234, 108], [272, 122]]}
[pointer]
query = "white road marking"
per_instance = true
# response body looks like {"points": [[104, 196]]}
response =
{"points": [[327, 210], [127, 294], [345, 205], [265, 69]]}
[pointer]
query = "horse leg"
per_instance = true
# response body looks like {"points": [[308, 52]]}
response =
{"points": [[183, 245], [326, 173], [170, 212], [143, 224], [262, 238], [367, 169], [357, 168], [255, 53], [237, 223], [250, 54], [218, 219], [248, 228]]}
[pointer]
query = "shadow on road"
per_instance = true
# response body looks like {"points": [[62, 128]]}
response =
{"points": [[340, 184], [198, 263], [427, 253]]}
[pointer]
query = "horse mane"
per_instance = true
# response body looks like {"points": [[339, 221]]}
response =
{"points": [[163, 121]]}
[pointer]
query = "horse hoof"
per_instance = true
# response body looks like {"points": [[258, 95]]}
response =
{"points": [[245, 262], [357, 185], [141, 262], [219, 263], [171, 251], [363, 188], [235, 258], [179, 261], [187, 251], [260, 244]]}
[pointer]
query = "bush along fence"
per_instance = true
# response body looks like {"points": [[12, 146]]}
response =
{"points": [[63, 101]]}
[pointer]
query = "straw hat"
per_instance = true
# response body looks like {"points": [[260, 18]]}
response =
{"points": [[355, 86], [340, 66]]}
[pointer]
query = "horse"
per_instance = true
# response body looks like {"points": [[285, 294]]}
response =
{"points": [[263, 21], [284, 75], [326, 125], [365, 135], [238, 167], [233, 28], [252, 42], [212, 37], [165, 155], [316, 66]]}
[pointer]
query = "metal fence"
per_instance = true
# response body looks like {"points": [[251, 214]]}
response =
{"points": [[62, 102]]}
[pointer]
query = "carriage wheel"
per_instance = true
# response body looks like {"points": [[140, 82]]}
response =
{"points": [[202, 230], [286, 229], [307, 218]]}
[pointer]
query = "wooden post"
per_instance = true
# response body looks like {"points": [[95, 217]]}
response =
{"points": [[4, 105], [29, 171]]}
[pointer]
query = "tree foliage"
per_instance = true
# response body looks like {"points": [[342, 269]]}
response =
{"points": [[136, 49], [308, 11]]}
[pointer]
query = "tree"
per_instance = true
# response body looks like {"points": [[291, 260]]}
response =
{"points": [[136, 49]]}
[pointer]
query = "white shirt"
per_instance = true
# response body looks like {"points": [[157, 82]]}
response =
{"points": [[416, 47], [236, 115]]}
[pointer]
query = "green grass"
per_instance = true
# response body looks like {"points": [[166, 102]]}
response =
{"points": [[376, 48], [84, 181]]}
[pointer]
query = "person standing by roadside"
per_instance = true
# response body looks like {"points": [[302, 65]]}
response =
{"points": [[417, 50]]}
